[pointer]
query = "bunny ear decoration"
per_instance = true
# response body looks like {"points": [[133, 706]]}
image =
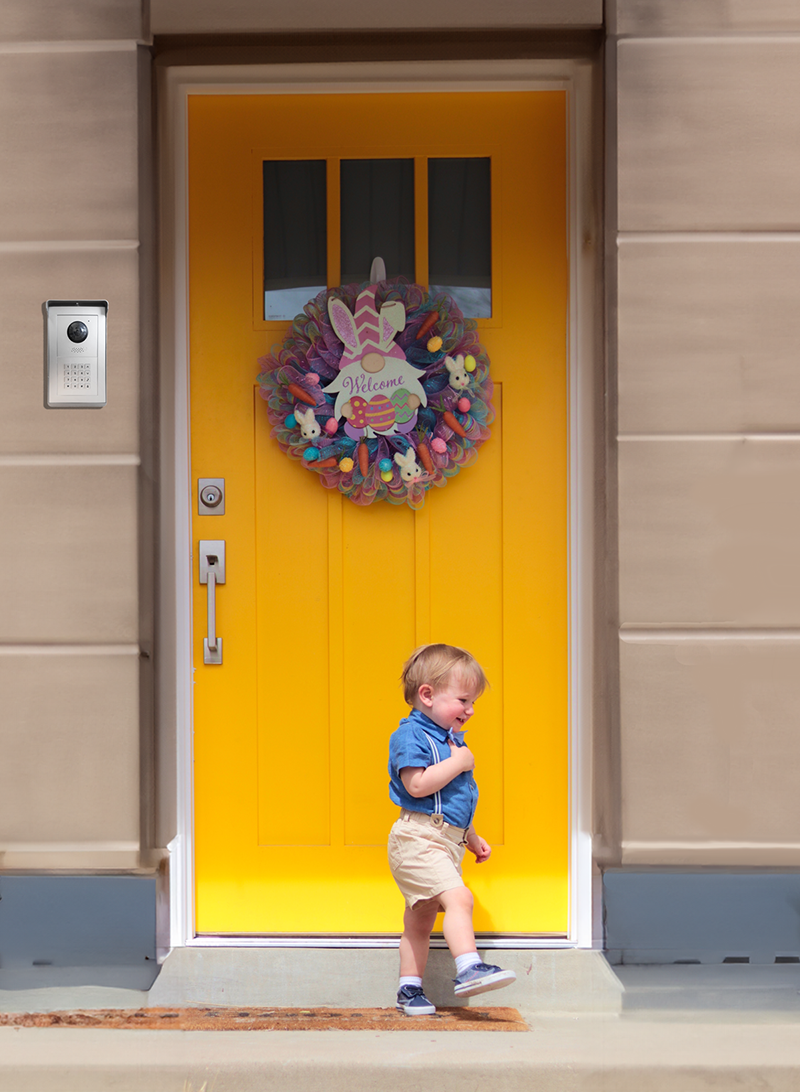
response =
{"points": [[344, 324], [391, 418], [393, 317]]}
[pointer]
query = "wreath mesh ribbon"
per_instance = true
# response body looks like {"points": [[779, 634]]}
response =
{"points": [[383, 448]]}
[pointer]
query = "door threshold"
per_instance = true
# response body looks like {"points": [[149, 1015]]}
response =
{"points": [[382, 940]]}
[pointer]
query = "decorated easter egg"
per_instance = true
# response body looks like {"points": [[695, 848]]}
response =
{"points": [[310, 454], [464, 405], [403, 411], [386, 475], [331, 425], [385, 464], [291, 421], [346, 465], [434, 344], [377, 414], [380, 413], [438, 444], [469, 363]]}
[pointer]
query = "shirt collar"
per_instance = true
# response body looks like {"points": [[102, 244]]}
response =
{"points": [[429, 725]]}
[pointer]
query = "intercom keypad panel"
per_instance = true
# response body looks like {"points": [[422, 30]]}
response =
{"points": [[75, 354]]}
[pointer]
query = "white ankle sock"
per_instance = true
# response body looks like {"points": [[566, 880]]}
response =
{"points": [[409, 980], [466, 960]]}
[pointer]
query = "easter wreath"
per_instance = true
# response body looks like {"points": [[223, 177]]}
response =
{"points": [[382, 390]]}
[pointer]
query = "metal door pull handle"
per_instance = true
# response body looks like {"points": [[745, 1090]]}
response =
{"points": [[212, 572], [212, 606]]}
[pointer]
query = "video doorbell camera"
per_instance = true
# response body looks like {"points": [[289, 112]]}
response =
{"points": [[75, 354]]}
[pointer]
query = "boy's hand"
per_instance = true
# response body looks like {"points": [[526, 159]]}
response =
{"points": [[481, 849], [463, 754]]}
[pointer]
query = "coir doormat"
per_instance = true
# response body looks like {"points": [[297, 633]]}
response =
{"points": [[273, 1019]]}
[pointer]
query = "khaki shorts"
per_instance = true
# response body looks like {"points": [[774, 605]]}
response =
{"points": [[425, 856]]}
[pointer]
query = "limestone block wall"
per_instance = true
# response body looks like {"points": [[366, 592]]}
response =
{"points": [[74, 773], [706, 345]]}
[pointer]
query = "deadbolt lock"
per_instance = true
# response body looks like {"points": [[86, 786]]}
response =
{"points": [[211, 496]]}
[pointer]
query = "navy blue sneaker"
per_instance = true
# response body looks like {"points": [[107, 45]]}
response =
{"points": [[482, 977], [413, 1002]]}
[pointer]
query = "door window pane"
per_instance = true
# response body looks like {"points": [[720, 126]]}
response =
{"points": [[295, 235], [460, 232], [377, 217]]}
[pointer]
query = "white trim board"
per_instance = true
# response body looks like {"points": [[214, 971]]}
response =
{"points": [[176, 84]]}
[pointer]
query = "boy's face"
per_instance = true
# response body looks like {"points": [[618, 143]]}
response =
{"points": [[451, 705]]}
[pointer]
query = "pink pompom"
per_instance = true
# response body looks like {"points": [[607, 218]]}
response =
{"points": [[438, 444], [312, 379], [331, 425], [464, 405]]}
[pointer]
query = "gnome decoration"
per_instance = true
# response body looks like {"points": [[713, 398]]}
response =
{"points": [[377, 391]]}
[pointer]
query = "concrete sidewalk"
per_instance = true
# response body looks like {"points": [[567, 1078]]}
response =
{"points": [[675, 1029], [559, 1054]]}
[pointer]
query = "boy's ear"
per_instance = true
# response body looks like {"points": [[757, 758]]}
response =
{"points": [[426, 694]]}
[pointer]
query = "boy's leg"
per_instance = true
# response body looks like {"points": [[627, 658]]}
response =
{"points": [[472, 974], [415, 941], [458, 932]]}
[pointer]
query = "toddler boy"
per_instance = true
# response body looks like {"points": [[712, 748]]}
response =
{"points": [[431, 779]]}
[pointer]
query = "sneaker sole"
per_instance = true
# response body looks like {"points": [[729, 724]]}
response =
{"points": [[428, 1010], [484, 985]]}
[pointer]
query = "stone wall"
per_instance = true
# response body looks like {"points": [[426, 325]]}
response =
{"points": [[707, 228], [75, 781]]}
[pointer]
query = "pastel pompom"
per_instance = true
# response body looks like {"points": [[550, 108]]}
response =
{"points": [[464, 405], [469, 363], [346, 465], [384, 465], [310, 454], [291, 421], [434, 344], [312, 379], [331, 425], [386, 475], [438, 444]]}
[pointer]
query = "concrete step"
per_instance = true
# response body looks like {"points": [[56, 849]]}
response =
{"points": [[554, 980], [703, 987]]}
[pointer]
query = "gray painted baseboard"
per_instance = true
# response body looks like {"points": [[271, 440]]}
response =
{"points": [[75, 931], [702, 917]]}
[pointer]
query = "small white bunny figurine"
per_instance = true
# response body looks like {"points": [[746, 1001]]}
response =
{"points": [[309, 429], [459, 376], [409, 468]]}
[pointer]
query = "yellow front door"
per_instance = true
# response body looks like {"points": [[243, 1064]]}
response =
{"points": [[324, 599]]}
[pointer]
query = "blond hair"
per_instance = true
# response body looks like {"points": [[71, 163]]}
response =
{"points": [[436, 664]]}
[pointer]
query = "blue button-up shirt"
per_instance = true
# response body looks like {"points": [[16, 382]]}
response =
{"points": [[420, 743]]}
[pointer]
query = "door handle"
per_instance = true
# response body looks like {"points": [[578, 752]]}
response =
{"points": [[212, 572]]}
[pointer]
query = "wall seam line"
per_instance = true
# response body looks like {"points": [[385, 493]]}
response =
{"points": [[65, 649], [77, 45]]}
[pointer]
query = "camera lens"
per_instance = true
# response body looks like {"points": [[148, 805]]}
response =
{"points": [[77, 331]]}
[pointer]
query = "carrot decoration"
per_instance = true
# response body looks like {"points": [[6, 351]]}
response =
{"points": [[325, 463], [452, 423], [301, 395], [363, 459], [428, 324], [425, 457]]}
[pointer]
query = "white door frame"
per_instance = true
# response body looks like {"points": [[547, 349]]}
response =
{"points": [[175, 657]]}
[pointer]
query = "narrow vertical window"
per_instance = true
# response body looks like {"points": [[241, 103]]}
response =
{"points": [[377, 206], [460, 232], [295, 235]]}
